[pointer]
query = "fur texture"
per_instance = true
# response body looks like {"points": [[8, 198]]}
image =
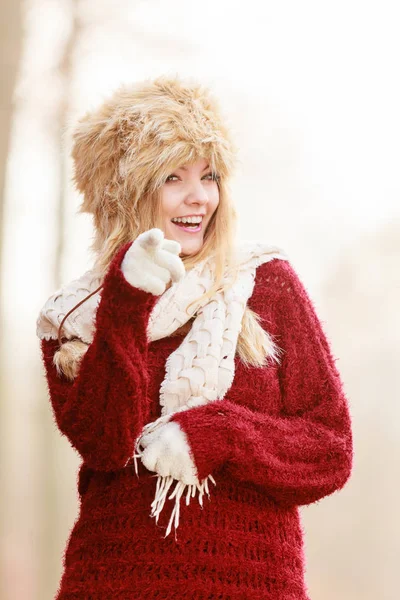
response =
{"points": [[68, 358], [125, 149]]}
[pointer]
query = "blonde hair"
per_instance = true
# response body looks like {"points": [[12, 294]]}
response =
{"points": [[123, 153]]}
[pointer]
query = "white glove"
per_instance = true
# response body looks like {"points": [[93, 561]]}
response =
{"points": [[165, 450], [152, 261]]}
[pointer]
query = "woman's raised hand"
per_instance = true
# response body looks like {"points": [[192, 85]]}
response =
{"points": [[151, 262]]}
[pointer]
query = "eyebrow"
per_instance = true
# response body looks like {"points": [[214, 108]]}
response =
{"points": [[185, 169]]}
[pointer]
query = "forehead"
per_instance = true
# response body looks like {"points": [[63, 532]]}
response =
{"points": [[199, 164]]}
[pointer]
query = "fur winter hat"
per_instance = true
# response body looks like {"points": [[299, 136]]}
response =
{"points": [[136, 138]]}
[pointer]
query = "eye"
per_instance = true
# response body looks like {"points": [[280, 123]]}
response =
{"points": [[169, 177], [210, 176], [213, 176]]}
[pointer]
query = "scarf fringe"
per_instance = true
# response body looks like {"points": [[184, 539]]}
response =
{"points": [[163, 487]]}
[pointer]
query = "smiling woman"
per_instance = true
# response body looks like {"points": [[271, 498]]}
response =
{"points": [[175, 363], [188, 203]]}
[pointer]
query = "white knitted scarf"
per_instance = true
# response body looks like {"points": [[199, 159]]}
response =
{"points": [[202, 368]]}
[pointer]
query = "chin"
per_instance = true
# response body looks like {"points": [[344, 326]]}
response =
{"points": [[190, 252]]}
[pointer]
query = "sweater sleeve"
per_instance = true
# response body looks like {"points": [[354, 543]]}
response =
{"points": [[305, 452], [99, 411]]}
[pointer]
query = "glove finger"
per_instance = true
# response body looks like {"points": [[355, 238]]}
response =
{"points": [[150, 456], [155, 424], [162, 466], [151, 239], [173, 263], [182, 469], [157, 430], [171, 246], [148, 438], [156, 270]]}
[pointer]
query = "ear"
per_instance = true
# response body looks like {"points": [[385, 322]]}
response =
{"points": [[68, 358]]}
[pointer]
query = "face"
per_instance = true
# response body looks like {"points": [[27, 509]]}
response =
{"points": [[190, 190]]}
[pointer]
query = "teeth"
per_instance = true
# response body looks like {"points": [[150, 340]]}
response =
{"points": [[187, 219]]}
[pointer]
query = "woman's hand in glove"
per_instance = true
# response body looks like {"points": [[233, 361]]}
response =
{"points": [[152, 261], [165, 450]]}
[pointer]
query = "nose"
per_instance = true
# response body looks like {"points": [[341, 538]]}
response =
{"points": [[197, 194]]}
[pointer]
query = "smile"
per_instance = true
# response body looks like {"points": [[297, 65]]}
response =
{"points": [[189, 228]]}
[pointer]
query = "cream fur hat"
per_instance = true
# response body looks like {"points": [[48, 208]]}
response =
{"points": [[135, 139]]}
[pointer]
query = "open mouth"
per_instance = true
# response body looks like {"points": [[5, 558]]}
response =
{"points": [[189, 227]]}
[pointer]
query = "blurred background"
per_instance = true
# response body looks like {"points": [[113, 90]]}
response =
{"points": [[312, 92]]}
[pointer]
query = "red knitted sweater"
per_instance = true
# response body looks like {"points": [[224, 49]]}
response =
{"points": [[280, 438]]}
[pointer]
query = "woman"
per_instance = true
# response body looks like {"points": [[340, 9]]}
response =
{"points": [[190, 371]]}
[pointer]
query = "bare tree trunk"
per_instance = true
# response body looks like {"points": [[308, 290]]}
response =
{"points": [[10, 51], [52, 493]]}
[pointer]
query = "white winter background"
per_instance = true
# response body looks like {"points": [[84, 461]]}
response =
{"points": [[312, 92]]}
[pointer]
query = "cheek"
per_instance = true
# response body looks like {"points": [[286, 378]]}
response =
{"points": [[167, 202], [214, 199]]}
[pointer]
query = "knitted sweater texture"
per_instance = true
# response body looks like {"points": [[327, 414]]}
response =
{"points": [[280, 438]]}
